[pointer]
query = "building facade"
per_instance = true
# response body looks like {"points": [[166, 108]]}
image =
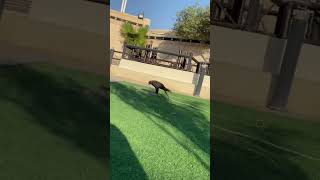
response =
{"points": [[162, 39]]}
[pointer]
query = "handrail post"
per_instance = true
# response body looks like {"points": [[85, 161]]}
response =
{"points": [[124, 50], [111, 55], [178, 60], [199, 83], [190, 62], [198, 68], [282, 85]]}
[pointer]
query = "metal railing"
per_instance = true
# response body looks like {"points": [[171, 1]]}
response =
{"points": [[20, 6], [154, 56], [182, 62], [248, 15]]}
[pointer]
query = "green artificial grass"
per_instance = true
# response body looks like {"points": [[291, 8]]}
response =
{"points": [[156, 138], [52, 124], [294, 153]]}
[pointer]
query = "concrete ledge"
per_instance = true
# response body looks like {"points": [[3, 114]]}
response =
{"points": [[172, 74], [143, 78]]}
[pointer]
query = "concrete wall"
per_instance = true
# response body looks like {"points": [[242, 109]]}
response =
{"points": [[175, 80], [73, 36], [116, 41], [177, 75], [239, 66], [243, 65], [305, 96], [249, 48]]}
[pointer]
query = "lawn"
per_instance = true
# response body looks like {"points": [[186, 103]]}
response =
{"points": [[153, 137], [255, 145], [52, 124]]}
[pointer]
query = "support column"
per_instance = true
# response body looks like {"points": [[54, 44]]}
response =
{"points": [[283, 81], [198, 86], [124, 50], [111, 55]]}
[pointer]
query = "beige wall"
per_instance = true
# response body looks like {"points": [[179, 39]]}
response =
{"points": [[168, 73], [305, 98], [140, 77], [249, 48], [239, 84], [238, 59], [73, 36], [309, 64], [130, 18], [79, 14], [116, 41], [240, 77]]}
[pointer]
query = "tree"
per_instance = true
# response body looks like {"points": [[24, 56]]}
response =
{"points": [[132, 36], [193, 23]]}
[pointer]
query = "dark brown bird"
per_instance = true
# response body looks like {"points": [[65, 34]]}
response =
{"points": [[158, 85]]}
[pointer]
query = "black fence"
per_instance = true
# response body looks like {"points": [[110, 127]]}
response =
{"points": [[248, 15], [179, 61]]}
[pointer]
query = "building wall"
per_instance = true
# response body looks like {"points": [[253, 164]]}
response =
{"points": [[241, 77], [116, 41], [73, 36], [130, 18]]}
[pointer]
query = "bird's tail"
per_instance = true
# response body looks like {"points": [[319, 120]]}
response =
{"points": [[166, 89], [166, 93]]}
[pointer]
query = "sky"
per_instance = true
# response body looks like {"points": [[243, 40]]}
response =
{"points": [[161, 12]]}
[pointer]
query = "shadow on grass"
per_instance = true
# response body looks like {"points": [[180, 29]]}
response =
{"points": [[63, 106], [236, 157], [234, 161], [123, 158], [192, 123]]}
